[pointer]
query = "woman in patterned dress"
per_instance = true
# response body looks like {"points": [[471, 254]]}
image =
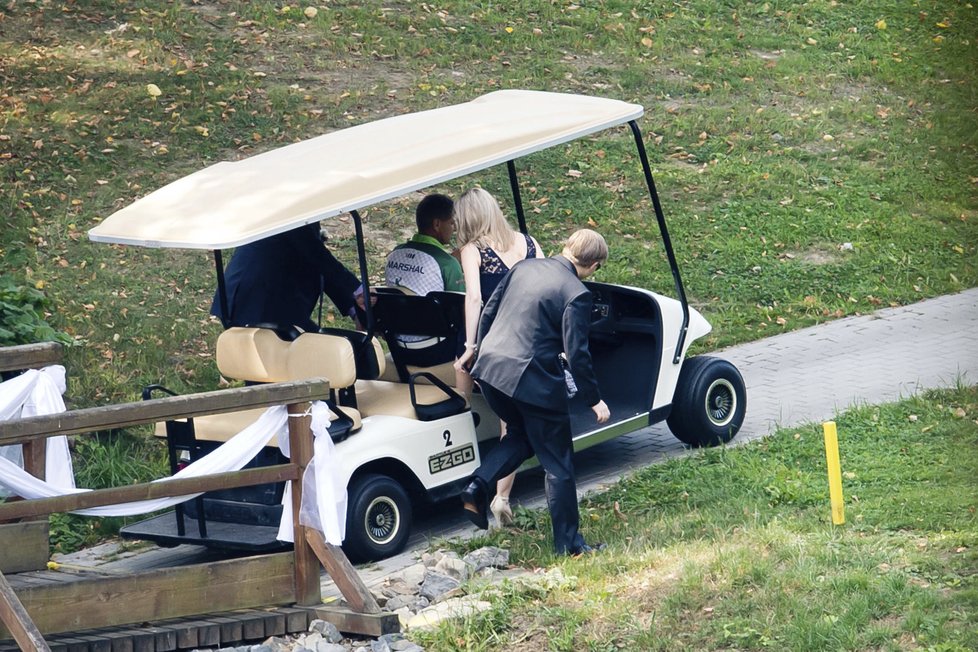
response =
{"points": [[488, 248]]}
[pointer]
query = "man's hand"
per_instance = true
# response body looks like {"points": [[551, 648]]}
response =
{"points": [[358, 298], [601, 411]]}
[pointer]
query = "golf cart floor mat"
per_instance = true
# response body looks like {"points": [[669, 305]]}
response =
{"points": [[233, 536]]}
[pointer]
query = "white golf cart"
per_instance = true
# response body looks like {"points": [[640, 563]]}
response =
{"points": [[402, 433]]}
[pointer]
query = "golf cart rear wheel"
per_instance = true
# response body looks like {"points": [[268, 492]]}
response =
{"points": [[378, 519], [710, 401]]}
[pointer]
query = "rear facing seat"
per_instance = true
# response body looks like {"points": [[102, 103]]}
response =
{"points": [[438, 316], [444, 372], [260, 355]]}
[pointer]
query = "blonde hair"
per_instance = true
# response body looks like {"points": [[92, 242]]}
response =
{"points": [[586, 247], [480, 221]]}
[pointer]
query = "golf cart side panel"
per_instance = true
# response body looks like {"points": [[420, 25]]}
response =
{"points": [[633, 342], [672, 319], [488, 428], [438, 452]]}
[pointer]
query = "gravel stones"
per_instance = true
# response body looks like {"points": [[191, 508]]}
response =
{"points": [[488, 557], [422, 595]]}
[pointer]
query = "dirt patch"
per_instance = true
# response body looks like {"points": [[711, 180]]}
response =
{"points": [[584, 64], [205, 9], [674, 105], [767, 55], [891, 622], [817, 255], [674, 76], [688, 163], [341, 77], [534, 639], [656, 582]]}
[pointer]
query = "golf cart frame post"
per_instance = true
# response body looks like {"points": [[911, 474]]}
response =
{"points": [[262, 581], [666, 240]]}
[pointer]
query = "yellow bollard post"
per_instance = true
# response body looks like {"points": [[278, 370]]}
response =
{"points": [[835, 472]]}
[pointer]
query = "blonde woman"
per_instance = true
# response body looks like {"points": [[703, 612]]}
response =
{"points": [[488, 248]]}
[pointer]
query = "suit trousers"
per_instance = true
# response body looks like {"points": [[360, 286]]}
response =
{"points": [[534, 430]]}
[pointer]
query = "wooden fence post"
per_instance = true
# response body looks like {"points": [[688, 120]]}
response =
{"points": [[35, 455], [32, 554], [307, 586], [344, 575]]}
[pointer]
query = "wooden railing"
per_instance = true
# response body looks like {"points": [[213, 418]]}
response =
{"points": [[30, 356], [267, 580]]}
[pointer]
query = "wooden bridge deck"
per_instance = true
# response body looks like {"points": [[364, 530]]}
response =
{"points": [[206, 631], [214, 630]]}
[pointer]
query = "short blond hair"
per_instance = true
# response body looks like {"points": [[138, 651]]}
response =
{"points": [[479, 220], [585, 247]]}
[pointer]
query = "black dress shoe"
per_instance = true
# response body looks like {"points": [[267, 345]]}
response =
{"points": [[585, 549], [476, 504]]}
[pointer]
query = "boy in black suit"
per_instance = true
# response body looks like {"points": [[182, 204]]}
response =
{"points": [[540, 310]]}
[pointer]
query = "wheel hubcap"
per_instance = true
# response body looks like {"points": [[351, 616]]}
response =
{"points": [[721, 402], [382, 520]]}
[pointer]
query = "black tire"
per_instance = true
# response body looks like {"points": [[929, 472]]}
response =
{"points": [[709, 404], [378, 518]]}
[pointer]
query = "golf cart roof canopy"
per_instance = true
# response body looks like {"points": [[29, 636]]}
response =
{"points": [[233, 203]]}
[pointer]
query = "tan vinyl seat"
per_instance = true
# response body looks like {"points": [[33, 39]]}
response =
{"points": [[445, 372], [376, 397], [259, 355]]}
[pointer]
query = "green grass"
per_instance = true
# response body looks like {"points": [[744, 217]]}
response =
{"points": [[733, 548], [780, 133], [103, 460]]}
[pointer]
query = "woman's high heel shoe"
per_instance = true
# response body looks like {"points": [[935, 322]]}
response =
{"points": [[501, 510]]}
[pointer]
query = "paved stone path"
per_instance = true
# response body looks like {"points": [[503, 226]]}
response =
{"points": [[799, 377]]}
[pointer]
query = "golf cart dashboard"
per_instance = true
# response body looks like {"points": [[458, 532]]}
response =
{"points": [[616, 309]]}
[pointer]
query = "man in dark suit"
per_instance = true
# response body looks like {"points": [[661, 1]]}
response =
{"points": [[278, 280], [540, 310]]}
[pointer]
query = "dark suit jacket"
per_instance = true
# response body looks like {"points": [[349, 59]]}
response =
{"points": [[279, 280], [539, 310]]}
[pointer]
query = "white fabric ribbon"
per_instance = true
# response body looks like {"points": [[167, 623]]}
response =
{"points": [[34, 393], [230, 456], [324, 493]]}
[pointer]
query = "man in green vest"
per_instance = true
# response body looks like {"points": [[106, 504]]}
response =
{"points": [[422, 264]]}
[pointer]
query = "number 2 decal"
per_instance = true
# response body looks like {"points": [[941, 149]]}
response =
{"points": [[447, 436]]}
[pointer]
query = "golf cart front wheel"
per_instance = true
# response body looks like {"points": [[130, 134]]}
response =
{"points": [[709, 404], [378, 518]]}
